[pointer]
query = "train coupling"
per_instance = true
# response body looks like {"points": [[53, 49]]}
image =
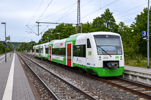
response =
{"points": [[113, 65]]}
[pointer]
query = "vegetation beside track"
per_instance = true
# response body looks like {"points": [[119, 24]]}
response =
{"points": [[2, 49], [137, 60]]}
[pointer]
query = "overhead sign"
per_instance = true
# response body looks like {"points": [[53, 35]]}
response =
{"points": [[7, 38], [144, 33]]}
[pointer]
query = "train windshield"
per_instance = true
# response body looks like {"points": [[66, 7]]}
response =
{"points": [[108, 44]]}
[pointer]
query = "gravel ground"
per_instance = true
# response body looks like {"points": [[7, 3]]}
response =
{"points": [[99, 90], [59, 87], [39, 90]]}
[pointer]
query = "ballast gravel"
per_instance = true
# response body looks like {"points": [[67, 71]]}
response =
{"points": [[97, 89]]}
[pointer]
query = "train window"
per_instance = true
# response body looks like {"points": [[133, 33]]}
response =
{"points": [[108, 44], [62, 51], [58, 51], [76, 50], [79, 51], [53, 51], [88, 43], [46, 50], [37, 50], [41, 49], [82, 51]]}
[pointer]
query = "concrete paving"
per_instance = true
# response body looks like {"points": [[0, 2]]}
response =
{"points": [[21, 89]]}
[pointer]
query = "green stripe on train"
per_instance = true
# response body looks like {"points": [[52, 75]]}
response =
{"points": [[37, 55], [60, 61], [100, 71], [107, 72], [45, 58]]}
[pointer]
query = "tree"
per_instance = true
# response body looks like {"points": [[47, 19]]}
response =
{"points": [[2, 50], [65, 30], [105, 23], [138, 26], [129, 40], [87, 27]]}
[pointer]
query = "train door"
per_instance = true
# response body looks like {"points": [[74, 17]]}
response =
{"points": [[89, 54], [69, 54], [39, 52], [50, 53]]}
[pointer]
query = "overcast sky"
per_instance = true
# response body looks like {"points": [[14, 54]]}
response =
{"points": [[19, 13]]}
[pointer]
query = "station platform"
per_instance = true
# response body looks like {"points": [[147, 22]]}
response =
{"points": [[138, 69], [139, 74], [13, 81], [2, 57]]}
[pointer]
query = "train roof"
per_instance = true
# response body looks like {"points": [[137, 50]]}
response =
{"points": [[77, 34], [80, 36], [104, 33], [95, 33]]}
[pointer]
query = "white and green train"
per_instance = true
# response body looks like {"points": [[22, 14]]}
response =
{"points": [[100, 53]]}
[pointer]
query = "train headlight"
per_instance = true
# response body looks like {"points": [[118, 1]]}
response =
{"points": [[99, 57]]}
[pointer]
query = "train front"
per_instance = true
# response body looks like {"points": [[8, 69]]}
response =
{"points": [[110, 54]]}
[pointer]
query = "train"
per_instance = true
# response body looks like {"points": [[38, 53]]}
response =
{"points": [[98, 53]]}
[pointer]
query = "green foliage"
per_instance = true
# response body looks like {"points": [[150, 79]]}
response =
{"points": [[65, 30], [136, 60], [26, 46], [87, 27], [2, 50], [105, 23], [138, 26], [129, 39]]}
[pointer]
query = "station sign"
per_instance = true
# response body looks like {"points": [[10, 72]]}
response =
{"points": [[144, 33], [5, 46], [7, 38]]}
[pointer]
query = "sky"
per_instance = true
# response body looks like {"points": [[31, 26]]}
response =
{"points": [[20, 16]]}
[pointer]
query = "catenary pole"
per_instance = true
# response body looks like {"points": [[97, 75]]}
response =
{"points": [[148, 35], [78, 17]]}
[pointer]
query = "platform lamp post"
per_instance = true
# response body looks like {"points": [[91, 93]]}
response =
{"points": [[59, 35], [5, 40]]}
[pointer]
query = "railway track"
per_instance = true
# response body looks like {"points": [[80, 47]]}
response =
{"points": [[44, 91], [60, 87], [134, 87], [131, 86], [138, 88]]}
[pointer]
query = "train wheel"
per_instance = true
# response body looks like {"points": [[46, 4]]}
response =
{"points": [[81, 70]]}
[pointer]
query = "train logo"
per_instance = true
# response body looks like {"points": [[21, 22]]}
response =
{"points": [[89, 53]]}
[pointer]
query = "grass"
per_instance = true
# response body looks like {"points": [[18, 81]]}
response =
{"points": [[137, 62]]}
